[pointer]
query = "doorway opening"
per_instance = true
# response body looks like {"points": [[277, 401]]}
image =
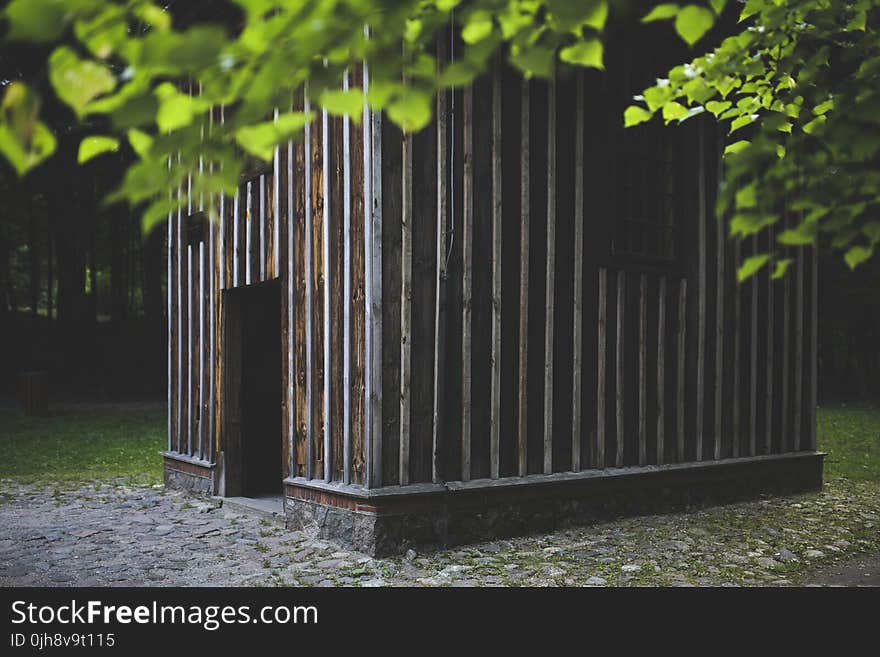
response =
{"points": [[253, 390]]}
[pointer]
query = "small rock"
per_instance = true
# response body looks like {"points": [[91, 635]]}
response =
{"points": [[410, 555], [814, 554], [631, 568], [374, 583], [786, 555], [596, 581]]}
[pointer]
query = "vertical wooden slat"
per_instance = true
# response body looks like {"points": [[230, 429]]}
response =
{"points": [[661, 370], [212, 325], [578, 282], [308, 247], [720, 298], [467, 268], [737, 313], [442, 211], [189, 349], [202, 386], [753, 361], [681, 331], [324, 280], [784, 444], [263, 227], [495, 358], [292, 336], [348, 300], [798, 347], [373, 290], [170, 318], [248, 233], [600, 354], [406, 304], [358, 213], [771, 338], [643, 370], [814, 346], [236, 238], [701, 288], [301, 255], [181, 291], [619, 355], [523, 351], [550, 278], [276, 212]]}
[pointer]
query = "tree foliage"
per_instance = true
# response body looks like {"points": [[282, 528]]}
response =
{"points": [[796, 83]]}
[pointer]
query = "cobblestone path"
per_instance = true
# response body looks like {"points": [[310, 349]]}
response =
{"points": [[112, 534]]}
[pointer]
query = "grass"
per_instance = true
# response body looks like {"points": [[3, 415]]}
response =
{"points": [[84, 443], [850, 434], [97, 443]]}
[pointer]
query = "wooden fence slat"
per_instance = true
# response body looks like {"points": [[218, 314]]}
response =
{"points": [[309, 293], [292, 417], [601, 329], [737, 338], [439, 305], [236, 239], [681, 334], [189, 349], [578, 287], [467, 231], [753, 367], [181, 291], [621, 374], [523, 347], [276, 199], [643, 370], [814, 346], [786, 356], [406, 305], [170, 316], [248, 233], [202, 386], [347, 297], [263, 227], [798, 347], [495, 360], [701, 290], [550, 278], [661, 370], [325, 281], [720, 298], [769, 407]]}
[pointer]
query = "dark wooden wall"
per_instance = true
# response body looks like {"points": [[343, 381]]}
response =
{"points": [[453, 309]]}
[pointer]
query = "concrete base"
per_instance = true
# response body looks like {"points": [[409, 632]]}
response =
{"points": [[388, 520], [185, 473]]}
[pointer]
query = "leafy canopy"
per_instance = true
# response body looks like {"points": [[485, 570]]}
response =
{"points": [[796, 84]]}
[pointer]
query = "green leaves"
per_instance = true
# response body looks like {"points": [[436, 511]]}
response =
{"points": [[661, 12], [93, 146], [751, 265], [585, 53], [176, 109], [693, 22], [342, 102], [261, 139], [856, 255], [635, 115], [411, 110], [24, 140], [78, 81]]}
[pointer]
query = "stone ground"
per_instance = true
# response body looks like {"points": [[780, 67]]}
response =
{"points": [[119, 535]]}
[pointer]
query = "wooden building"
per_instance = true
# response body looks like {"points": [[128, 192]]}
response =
{"points": [[520, 317]]}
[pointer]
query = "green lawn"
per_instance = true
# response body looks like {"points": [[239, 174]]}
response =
{"points": [[84, 443], [850, 433]]}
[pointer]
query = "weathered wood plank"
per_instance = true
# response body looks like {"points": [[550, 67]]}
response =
{"points": [[324, 283], [523, 350], [373, 286], [661, 370], [309, 144], [467, 232], [720, 300], [292, 288], [440, 260], [753, 361], [248, 233], [339, 294], [681, 335], [497, 217], [263, 227], [550, 278], [737, 339], [181, 295], [798, 346], [786, 357], [771, 338], [814, 346], [601, 329], [301, 250], [578, 282], [236, 238], [348, 301], [276, 213], [202, 369], [619, 361], [701, 290], [170, 317], [406, 249], [643, 370], [189, 349]]}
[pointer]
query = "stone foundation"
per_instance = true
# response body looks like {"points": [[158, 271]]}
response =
{"points": [[388, 520], [188, 474]]}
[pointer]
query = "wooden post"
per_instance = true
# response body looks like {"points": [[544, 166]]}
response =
{"points": [[467, 266], [309, 293], [753, 369], [681, 332], [736, 349], [406, 305], [439, 309], [248, 233], [181, 290], [170, 313], [798, 347], [189, 349], [643, 370], [525, 214], [768, 429], [348, 300], [550, 277], [276, 211], [497, 220], [578, 282], [325, 277], [701, 288], [814, 346], [661, 371], [202, 386], [720, 297], [600, 354], [619, 392], [786, 349], [292, 416]]}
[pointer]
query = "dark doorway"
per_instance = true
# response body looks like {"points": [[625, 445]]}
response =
{"points": [[252, 339]]}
